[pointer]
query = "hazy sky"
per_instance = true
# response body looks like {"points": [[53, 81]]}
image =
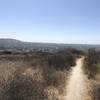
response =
{"points": [[61, 21]]}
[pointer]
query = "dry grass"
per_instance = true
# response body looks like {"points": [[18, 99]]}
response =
{"points": [[25, 79]]}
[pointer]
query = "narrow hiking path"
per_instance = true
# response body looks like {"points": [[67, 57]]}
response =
{"points": [[76, 87]]}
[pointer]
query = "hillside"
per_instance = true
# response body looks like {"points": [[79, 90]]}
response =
{"points": [[16, 44]]}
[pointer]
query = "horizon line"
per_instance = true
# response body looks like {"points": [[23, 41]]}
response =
{"points": [[42, 42]]}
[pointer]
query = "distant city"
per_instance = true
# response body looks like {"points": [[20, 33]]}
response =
{"points": [[12, 45]]}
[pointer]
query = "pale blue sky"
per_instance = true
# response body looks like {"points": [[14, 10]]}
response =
{"points": [[60, 21]]}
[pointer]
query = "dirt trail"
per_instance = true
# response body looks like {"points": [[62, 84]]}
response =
{"points": [[76, 87]]}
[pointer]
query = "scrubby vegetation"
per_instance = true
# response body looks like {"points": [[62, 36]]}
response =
{"points": [[35, 76], [43, 75], [90, 65], [92, 70]]}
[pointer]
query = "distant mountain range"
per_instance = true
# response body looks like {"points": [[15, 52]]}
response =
{"points": [[16, 44]]}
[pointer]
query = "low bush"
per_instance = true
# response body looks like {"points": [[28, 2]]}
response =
{"points": [[24, 88]]}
